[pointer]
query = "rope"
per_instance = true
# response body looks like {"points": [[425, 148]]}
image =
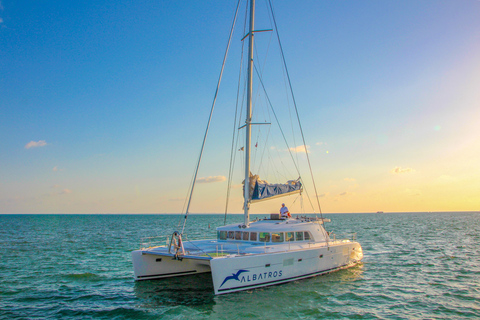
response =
{"points": [[234, 145], [296, 111], [278, 122], [211, 113]]}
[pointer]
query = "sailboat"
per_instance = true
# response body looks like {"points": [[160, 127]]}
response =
{"points": [[253, 254]]}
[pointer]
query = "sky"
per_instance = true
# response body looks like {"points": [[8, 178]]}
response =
{"points": [[103, 104]]}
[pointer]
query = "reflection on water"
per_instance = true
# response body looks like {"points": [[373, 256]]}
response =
{"points": [[187, 291], [353, 273], [196, 294], [198, 289], [306, 298]]}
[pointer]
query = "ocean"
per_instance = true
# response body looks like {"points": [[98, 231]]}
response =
{"points": [[416, 266]]}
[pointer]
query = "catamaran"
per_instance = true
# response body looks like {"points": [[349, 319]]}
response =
{"points": [[256, 253]]}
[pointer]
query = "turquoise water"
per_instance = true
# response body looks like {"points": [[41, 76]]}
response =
{"points": [[416, 266]]}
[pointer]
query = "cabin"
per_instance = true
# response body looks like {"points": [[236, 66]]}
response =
{"points": [[275, 231]]}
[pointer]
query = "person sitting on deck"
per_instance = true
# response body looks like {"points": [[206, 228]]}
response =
{"points": [[284, 211]]}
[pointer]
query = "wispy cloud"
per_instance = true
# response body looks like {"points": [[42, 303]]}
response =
{"points": [[326, 194], [300, 149], [349, 179], [398, 170], [35, 144], [344, 196], [211, 179], [1, 9], [56, 192]]}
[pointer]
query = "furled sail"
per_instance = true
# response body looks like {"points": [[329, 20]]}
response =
{"points": [[262, 190]]}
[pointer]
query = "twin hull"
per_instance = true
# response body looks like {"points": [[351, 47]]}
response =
{"points": [[242, 272]]}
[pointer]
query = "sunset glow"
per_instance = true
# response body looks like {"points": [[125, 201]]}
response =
{"points": [[103, 111]]}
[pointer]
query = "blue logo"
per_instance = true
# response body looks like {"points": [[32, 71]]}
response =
{"points": [[234, 276], [252, 277]]}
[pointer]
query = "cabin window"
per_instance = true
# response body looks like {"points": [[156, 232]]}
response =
{"points": [[231, 235], [289, 236], [238, 235], [253, 236], [277, 236], [245, 236], [264, 237], [307, 236], [299, 236], [222, 235]]}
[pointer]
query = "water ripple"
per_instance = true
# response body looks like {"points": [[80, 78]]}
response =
{"points": [[416, 266]]}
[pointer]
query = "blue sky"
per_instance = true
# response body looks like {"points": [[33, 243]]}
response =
{"points": [[115, 97]]}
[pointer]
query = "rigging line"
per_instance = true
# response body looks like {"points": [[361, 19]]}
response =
{"points": [[264, 63], [255, 151], [290, 114], [232, 152], [278, 123], [211, 113], [272, 19], [309, 199], [301, 205], [271, 162], [199, 249], [299, 196], [186, 198], [299, 124], [254, 102], [264, 148], [231, 178], [296, 109], [270, 16], [286, 174]]}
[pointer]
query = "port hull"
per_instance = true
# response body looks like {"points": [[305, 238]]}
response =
{"points": [[150, 265]]}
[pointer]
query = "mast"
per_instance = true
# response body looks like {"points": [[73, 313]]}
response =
{"points": [[248, 132]]}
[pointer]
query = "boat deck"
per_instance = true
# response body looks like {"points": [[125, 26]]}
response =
{"points": [[210, 249]]}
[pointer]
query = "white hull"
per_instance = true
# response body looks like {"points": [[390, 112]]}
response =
{"points": [[237, 272], [148, 266], [248, 272]]}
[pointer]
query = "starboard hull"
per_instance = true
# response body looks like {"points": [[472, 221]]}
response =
{"points": [[254, 271]]}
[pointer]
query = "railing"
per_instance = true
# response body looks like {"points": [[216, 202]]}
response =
{"points": [[220, 250], [158, 241], [344, 237]]}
